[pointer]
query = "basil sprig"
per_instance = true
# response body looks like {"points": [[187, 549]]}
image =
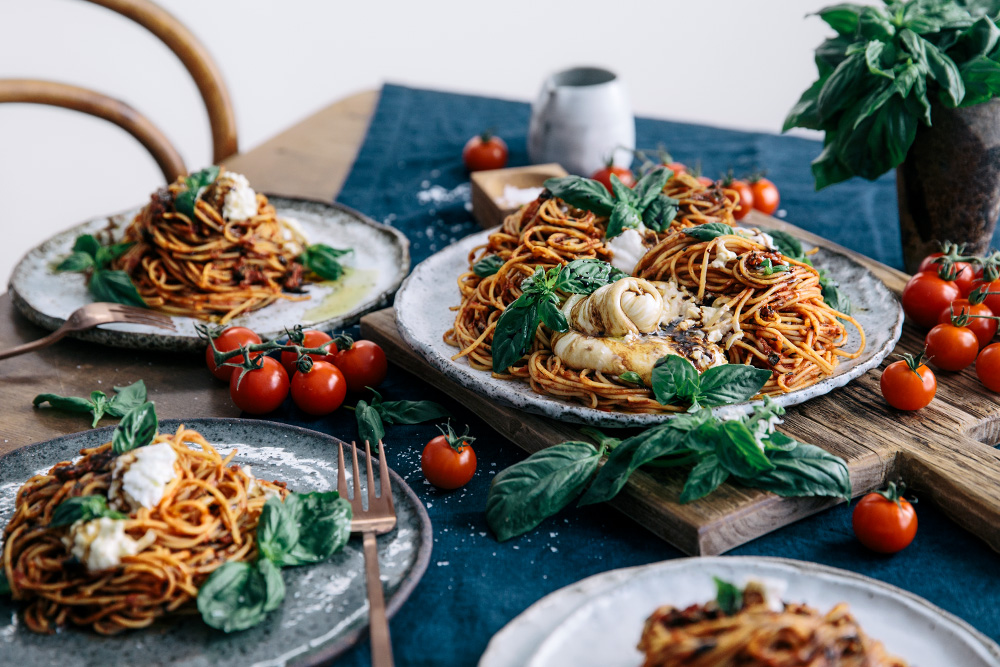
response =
{"points": [[675, 380], [306, 528], [370, 416], [709, 231], [728, 596], [879, 74], [539, 303], [746, 450], [487, 266], [625, 207], [322, 260], [83, 508], [790, 247], [104, 284], [184, 202], [136, 429], [124, 400]]}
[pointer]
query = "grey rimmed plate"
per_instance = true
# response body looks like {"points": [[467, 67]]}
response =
{"points": [[598, 620], [380, 261], [423, 315], [326, 605]]}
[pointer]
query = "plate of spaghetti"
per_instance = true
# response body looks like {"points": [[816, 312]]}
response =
{"points": [[119, 558], [721, 611], [579, 309], [209, 249]]}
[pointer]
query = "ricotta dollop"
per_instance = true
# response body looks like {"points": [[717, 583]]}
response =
{"points": [[101, 544], [140, 477], [241, 200], [628, 249]]}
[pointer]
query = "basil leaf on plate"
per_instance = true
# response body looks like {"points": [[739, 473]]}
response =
{"points": [[515, 332], [107, 254], [728, 597], [322, 259], [806, 470], [324, 526], [184, 202], [709, 231], [833, 296], [623, 216], [528, 492], [115, 287], [487, 266], [788, 245], [582, 193], [277, 530], [136, 429], [551, 316], [731, 383], [660, 213], [238, 595], [127, 399], [631, 377], [77, 261], [83, 508], [650, 187], [585, 276], [674, 378], [704, 478]]}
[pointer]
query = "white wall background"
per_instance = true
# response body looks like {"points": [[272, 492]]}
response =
{"points": [[724, 62]]}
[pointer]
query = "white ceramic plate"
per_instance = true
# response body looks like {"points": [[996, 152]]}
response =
{"points": [[423, 315], [598, 621], [380, 260]]}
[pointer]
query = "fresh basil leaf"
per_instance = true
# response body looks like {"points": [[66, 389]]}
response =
{"points": [[892, 132], [728, 597], [515, 332], [552, 317], [833, 296], [709, 231], [842, 18], [805, 470], [827, 169], [981, 77], [622, 192], [842, 88], [873, 55], [67, 403], [88, 244], [107, 254], [582, 193], [127, 399], [650, 187], [528, 492], [978, 40], [917, 102], [115, 287], [322, 259], [83, 508], [78, 261], [370, 428], [623, 216], [731, 383], [487, 266], [738, 451], [277, 530], [768, 268], [4, 584], [238, 595], [202, 178], [787, 245], [805, 113], [100, 402], [324, 526], [674, 378], [631, 377], [411, 412], [136, 429], [660, 213], [704, 478], [874, 24], [829, 55], [585, 276], [945, 72], [184, 203], [778, 441]]}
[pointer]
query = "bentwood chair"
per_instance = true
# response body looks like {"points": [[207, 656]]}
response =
{"points": [[192, 54]]}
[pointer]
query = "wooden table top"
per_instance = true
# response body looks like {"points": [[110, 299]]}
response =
{"points": [[311, 160]]}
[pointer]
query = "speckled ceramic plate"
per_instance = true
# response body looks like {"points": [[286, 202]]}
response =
{"points": [[598, 621], [325, 608], [380, 261], [423, 315]]}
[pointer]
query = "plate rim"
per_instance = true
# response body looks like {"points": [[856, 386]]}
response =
{"points": [[808, 567], [173, 342], [337, 647], [580, 414]]}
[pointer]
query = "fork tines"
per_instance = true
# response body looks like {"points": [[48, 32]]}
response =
{"points": [[384, 495], [142, 316]]}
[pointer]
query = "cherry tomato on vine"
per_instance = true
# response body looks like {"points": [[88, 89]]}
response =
{"points": [[988, 367], [992, 301], [261, 390], [765, 195], [908, 384], [603, 176], [228, 340], [926, 295], [980, 325], [884, 521], [362, 362], [951, 347], [309, 338], [706, 181], [745, 192], [448, 460], [319, 390], [484, 151]]}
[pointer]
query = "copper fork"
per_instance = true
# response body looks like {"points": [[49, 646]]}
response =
{"points": [[379, 518], [91, 316]]}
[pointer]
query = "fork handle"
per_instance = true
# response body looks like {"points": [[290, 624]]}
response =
{"points": [[56, 335], [378, 623]]}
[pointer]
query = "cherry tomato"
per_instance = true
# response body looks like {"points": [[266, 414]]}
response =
{"points": [[988, 367], [261, 390], [363, 364], [603, 176], [310, 338], [951, 348], [926, 295], [448, 460], [230, 339], [992, 301], [676, 167], [484, 151], [884, 521], [908, 384], [745, 192], [984, 328], [964, 273], [706, 181], [320, 390], [765, 196]]}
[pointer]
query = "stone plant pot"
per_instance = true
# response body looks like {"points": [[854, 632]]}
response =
{"points": [[949, 184]]}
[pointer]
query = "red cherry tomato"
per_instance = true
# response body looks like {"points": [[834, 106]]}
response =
{"points": [[706, 181], [926, 295], [988, 367], [984, 328], [965, 276], [230, 339], [363, 365], [320, 390], [484, 151], [951, 348], [676, 167], [745, 203], [261, 390], [765, 196], [908, 384], [885, 521], [310, 338], [603, 176], [992, 301], [448, 460]]}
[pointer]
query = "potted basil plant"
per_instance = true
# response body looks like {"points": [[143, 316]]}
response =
{"points": [[912, 86]]}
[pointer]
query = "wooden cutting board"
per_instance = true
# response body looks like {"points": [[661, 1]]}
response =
{"points": [[944, 452]]}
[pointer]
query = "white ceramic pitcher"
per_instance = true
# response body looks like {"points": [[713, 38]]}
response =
{"points": [[581, 117]]}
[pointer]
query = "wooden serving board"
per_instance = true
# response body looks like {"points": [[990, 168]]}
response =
{"points": [[944, 452]]}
